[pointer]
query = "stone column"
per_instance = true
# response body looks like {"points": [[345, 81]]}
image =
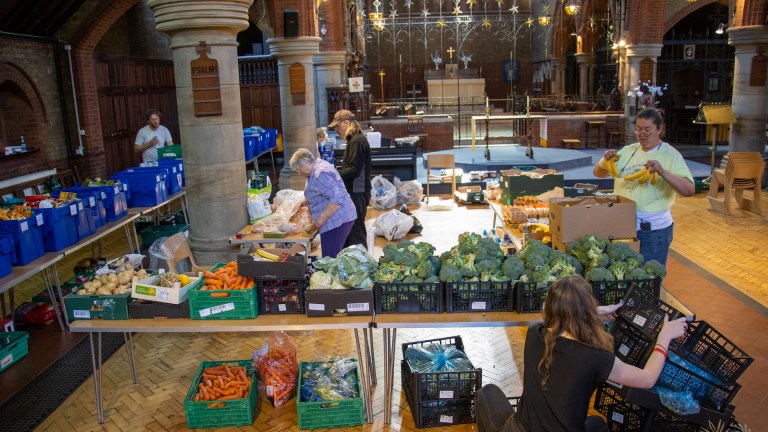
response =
{"points": [[329, 68], [585, 62], [558, 77], [214, 160], [634, 55], [750, 103], [298, 119]]}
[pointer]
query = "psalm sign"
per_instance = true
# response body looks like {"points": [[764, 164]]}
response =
{"points": [[206, 91]]}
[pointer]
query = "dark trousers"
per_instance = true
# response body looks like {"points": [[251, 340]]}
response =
{"points": [[331, 242], [359, 235]]}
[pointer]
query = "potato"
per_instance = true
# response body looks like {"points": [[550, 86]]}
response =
{"points": [[96, 283], [87, 284], [125, 290], [116, 291], [124, 279], [83, 292], [112, 278], [110, 286], [103, 291], [142, 274], [91, 290]]}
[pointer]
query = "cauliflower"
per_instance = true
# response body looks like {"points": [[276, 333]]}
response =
{"points": [[320, 280]]}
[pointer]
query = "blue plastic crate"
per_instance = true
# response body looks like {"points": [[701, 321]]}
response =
{"points": [[60, 226], [147, 187], [7, 255], [93, 208], [177, 169], [172, 183], [86, 215], [27, 238], [249, 146], [114, 198], [272, 138]]}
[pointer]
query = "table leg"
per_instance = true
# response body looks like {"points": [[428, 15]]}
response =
{"points": [[96, 363], [52, 295], [184, 207], [371, 356], [272, 155], [129, 350], [390, 335], [2, 305], [362, 364], [61, 297], [136, 236]]}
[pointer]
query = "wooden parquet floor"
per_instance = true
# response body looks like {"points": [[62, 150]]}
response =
{"points": [[733, 249]]}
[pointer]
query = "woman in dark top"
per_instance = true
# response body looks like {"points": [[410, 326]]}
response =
{"points": [[355, 171], [566, 358]]}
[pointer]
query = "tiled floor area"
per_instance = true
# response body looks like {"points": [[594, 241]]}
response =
{"points": [[718, 266]]}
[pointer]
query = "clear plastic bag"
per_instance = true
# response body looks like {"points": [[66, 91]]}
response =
{"points": [[125, 262], [352, 267], [437, 358], [163, 250], [393, 225], [383, 193], [680, 403], [287, 204], [258, 202], [334, 379], [409, 192], [278, 367]]}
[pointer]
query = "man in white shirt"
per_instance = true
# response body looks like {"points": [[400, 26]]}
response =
{"points": [[152, 136]]}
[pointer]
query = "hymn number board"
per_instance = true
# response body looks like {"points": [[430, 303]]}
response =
{"points": [[206, 91]]}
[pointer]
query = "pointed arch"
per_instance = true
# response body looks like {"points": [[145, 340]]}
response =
{"points": [[10, 72]]}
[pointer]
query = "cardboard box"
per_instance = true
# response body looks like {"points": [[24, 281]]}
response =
{"points": [[514, 183], [633, 243], [147, 289], [580, 189], [325, 303], [605, 216], [252, 266], [470, 194]]}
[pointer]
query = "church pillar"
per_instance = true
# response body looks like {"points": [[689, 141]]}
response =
{"points": [[329, 70], [585, 62], [634, 55], [558, 77], [750, 102], [296, 109], [214, 161]]}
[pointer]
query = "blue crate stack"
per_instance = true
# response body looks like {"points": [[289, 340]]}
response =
{"points": [[147, 187], [7, 255], [114, 198], [177, 169], [60, 226], [27, 238]]}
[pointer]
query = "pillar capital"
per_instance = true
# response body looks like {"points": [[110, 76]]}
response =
{"points": [[192, 15], [283, 48], [752, 35], [330, 58], [644, 50], [585, 59]]}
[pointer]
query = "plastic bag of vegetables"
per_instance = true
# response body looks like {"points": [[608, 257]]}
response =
{"points": [[278, 367], [437, 358], [352, 268]]}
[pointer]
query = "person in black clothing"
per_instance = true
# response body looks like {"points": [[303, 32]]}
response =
{"points": [[565, 359], [355, 171]]}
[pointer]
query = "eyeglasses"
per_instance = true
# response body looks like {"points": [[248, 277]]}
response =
{"points": [[646, 130]]}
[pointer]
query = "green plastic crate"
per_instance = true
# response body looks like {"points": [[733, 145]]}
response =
{"points": [[169, 152], [329, 414], [88, 307], [150, 234], [15, 345], [236, 412], [240, 304]]}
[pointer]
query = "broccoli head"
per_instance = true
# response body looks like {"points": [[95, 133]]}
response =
{"points": [[468, 242], [578, 268], [412, 279], [435, 264], [655, 269], [562, 269], [404, 244], [513, 268], [598, 274], [445, 256], [618, 268], [423, 250], [390, 253], [633, 263], [450, 273], [637, 273], [619, 251], [432, 279], [534, 247], [425, 269], [534, 262], [407, 259], [488, 249]]}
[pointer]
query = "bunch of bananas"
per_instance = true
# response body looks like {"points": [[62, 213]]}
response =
{"points": [[643, 175]]}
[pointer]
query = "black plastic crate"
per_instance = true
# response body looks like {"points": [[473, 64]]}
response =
{"points": [[623, 416], [432, 413], [710, 350], [630, 345], [402, 297], [439, 386], [529, 298], [710, 394], [612, 292], [479, 297], [281, 296], [646, 312]]}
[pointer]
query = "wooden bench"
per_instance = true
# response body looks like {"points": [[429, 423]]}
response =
{"points": [[570, 143]]}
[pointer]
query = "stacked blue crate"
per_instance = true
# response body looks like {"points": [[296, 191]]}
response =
{"points": [[59, 226], [250, 137], [114, 198], [93, 206], [177, 169], [87, 213], [7, 255], [172, 183], [148, 187], [27, 238]]}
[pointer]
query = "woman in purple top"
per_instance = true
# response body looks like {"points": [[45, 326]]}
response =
{"points": [[330, 206]]}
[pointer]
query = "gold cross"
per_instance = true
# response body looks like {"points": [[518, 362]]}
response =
{"points": [[381, 74], [450, 53]]}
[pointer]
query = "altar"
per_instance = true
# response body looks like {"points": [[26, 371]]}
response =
{"points": [[451, 88]]}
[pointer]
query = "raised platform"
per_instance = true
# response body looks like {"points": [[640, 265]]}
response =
{"points": [[507, 156]]}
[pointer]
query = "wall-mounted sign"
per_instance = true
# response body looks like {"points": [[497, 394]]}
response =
{"points": [[298, 83], [689, 52], [355, 84], [206, 91]]}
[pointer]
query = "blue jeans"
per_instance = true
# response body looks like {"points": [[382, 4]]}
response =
{"points": [[654, 245]]}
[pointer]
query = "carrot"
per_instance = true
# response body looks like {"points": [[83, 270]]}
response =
{"points": [[219, 294], [209, 275], [217, 405], [229, 397]]}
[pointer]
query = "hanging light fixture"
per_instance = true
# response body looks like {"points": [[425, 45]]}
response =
{"points": [[544, 20], [721, 29], [572, 7]]}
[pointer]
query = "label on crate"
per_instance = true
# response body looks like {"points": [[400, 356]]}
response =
{"points": [[316, 306], [82, 314], [142, 289], [623, 349], [80, 206], [217, 309], [446, 394], [125, 186], [157, 179], [39, 219], [72, 210], [617, 417], [164, 295], [181, 167], [179, 179], [103, 195], [282, 307], [23, 226], [358, 307], [446, 419], [477, 305], [6, 361], [174, 169], [639, 320], [117, 190], [270, 390], [91, 202]]}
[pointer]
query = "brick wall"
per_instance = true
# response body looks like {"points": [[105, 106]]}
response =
{"points": [[439, 134], [29, 106], [570, 126]]}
